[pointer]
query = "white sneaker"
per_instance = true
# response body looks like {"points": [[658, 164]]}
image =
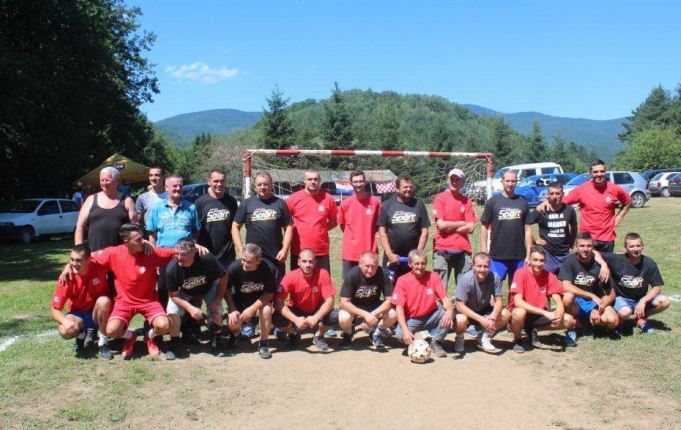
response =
{"points": [[459, 344], [485, 343]]}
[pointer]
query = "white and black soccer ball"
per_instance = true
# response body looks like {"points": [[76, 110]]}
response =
{"points": [[419, 351]]}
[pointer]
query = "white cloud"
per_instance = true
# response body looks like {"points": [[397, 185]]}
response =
{"points": [[201, 72]]}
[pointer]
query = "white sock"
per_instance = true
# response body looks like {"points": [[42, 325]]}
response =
{"points": [[103, 339], [128, 334], [151, 334], [81, 335]]}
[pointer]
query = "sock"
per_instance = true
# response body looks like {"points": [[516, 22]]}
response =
{"points": [[128, 334], [81, 335], [263, 342], [103, 339], [174, 341], [151, 333]]}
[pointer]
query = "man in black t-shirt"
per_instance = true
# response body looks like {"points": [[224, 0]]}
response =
{"points": [[268, 223], [402, 226], [633, 275], [216, 211], [586, 297], [251, 290], [557, 228], [510, 237], [365, 301], [190, 278]]}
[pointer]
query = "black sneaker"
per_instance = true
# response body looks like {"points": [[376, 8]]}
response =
{"points": [[105, 352], [293, 340], [320, 343], [518, 347], [189, 337], [89, 338], [346, 340], [79, 347], [264, 351], [437, 349], [217, 346], [172, 350]]}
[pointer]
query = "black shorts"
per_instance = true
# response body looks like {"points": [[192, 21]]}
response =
{"points": [[279, 321]]}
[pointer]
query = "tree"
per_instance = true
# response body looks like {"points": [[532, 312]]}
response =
{"points": [[652, 111], [278, 132], [337, 129], [502, 145], [652, 148], [73, 78], [441, 139], [536, 149]]}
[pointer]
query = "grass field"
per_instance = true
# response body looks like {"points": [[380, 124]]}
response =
{"points": [[40, 366]]}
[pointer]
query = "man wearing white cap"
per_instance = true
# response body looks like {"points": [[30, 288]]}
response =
{"points": [[454, 222]]}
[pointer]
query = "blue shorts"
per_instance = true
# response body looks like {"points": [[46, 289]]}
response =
{"points": [[86, 316], [623, 302], [553, 262], [584, 306], [506, 267]]}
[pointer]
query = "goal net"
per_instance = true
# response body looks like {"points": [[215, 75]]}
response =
{"points": [[428, 170]]}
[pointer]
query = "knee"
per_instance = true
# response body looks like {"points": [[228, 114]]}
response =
{"points": [[568, 298], [663, 303], [461, 320], [344, 318], [115, 329], [624, 313], [518, 314], [568, 321], [266, 311], [161, 325]]}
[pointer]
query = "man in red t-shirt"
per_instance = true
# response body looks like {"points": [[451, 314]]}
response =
{"points": [[313, 212], [597, 199], [135, 281], [357, 218], [415, 297], [90, 306], [454, 221], [310, 307], [529, 293]]}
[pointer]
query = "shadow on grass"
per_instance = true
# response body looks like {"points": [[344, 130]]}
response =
{"points": [[25, 325], [40, 261]]}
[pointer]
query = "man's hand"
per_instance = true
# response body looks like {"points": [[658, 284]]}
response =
{"points": [[68, 274], [446, 321], [202, 250], [301, 323], [247, 314], [640, 310], [595, 317], [281, 256], [148, 248], [598, 301], [371, 319], [604, 276], [543, 207], [489, 324], [70, 326], [233, 317], [393, 258], [408, 337], [540, 242], [195, 313], [311, 321]]}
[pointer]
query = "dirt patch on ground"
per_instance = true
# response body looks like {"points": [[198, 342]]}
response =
{"points": [[356, 388]]}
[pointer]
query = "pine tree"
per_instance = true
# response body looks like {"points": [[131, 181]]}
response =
{"points": [[276, 126], [536, 149], [337, 129]]}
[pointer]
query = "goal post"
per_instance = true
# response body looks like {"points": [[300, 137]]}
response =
{"points": [[478, 166]]}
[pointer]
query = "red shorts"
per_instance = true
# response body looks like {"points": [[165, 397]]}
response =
{"points": [[124, 311]]}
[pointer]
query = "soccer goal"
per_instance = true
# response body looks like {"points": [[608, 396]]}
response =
{"points": [[427, 169]]}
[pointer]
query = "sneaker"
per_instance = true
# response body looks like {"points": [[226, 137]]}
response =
{"points": [[293, 340], [280, 334], [128, 346], [536, 343], [587, 329], [152, 348], [216, 345], [485, 343], [320, 343], [189, 337], [518, 347], [89, 338], [571, 338], [377, 339], [645, 327], [437, 349], [615, 334], [346, 340], [105, 352], [171, 351], [79, 347], [264, 351], [459, 347]]}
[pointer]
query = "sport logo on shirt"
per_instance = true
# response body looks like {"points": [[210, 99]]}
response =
{"points": [[193, 282], [429, 291], [402, 217], [629, 281], [264, 214], [95, 281], [584, 279], [215, 214], [251, 287], [365, 292], [369, 211], [321, 208], [508, 214], [143, 270]]}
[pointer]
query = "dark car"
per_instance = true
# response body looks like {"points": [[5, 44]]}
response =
{"points": [[648, 174], [674, 185]]}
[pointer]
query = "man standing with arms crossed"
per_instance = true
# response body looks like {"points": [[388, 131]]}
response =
{"points": [[454, 221], [503, 220], [314, 213], [357, 219], [402, 226]]}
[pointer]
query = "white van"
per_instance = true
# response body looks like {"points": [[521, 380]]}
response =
{"points": [[522, 170]]}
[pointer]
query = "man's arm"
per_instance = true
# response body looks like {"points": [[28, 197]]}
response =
{"points": [[324, 309], [640, 310], [483, 237], [463, 308], [569, 287], [192, 310], [423, 239], [132, 213], [82, 223], [286, 244], [280, 306], [387, 250], [604, 274], [528, 242], [521, 303], [347, 305], [236, 238], [408, 336], [609, 298], [448, 317], [622, 213], [250, 311]]}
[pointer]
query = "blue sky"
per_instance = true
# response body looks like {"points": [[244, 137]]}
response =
{"points": [[597, 59]]}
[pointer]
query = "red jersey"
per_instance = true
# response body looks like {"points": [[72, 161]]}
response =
{"points": [[135, 274], [310, 214], [597, 208], [418, 296], [82, 291], [448, 207], [306, 294], [536, 289], [359, 220]]}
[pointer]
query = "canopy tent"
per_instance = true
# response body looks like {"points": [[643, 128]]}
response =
{"points": [[131, 172]]}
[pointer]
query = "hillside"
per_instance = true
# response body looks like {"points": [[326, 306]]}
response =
{"points": [[180, 130], [601, 136]]}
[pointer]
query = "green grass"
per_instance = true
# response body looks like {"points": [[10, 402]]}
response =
{"points": [[42, 367]]}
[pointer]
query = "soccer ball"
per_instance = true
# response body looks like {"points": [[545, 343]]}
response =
{"points": [[419, 351]]}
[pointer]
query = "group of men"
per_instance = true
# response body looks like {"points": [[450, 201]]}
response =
{"points": [[163, 256]]}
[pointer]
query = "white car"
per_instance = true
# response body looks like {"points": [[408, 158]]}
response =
{"points": [[658, 184], [478, 190], [31, 218]]}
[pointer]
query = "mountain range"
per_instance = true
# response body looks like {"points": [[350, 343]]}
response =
{"points": [[599, 135]]}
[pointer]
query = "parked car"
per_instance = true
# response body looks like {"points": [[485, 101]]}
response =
{"points": [[649, 174], [658, 184], [674, 185], [535, 188], [632, 182], [478, 190], [31, 218], [192, 192]]}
